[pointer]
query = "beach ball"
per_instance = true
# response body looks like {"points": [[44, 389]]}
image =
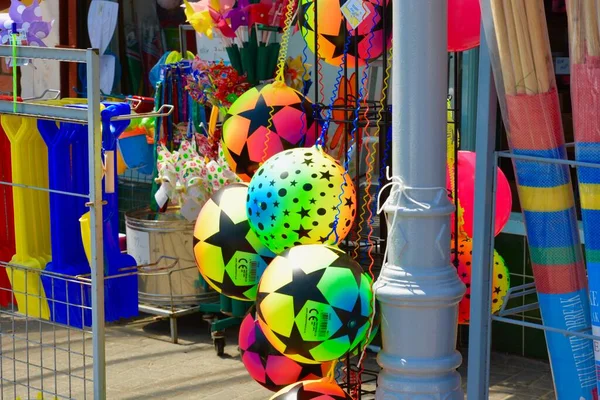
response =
{"points": [[227, 252], [323, 389], [314, 303], [465, 185], [300, 197], [269, 367], [263, 122], [464, 24], [367, 41], [500, 279]]}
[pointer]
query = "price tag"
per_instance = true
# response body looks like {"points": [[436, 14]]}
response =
{"points": [[161, 196], [355, 12]]}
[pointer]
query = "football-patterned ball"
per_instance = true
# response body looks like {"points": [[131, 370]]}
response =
{"points": [[301, 196], [263, 122], [269, 367], [314, 303], [500, 279], [366, 41], [319, 390], [227, 252]]}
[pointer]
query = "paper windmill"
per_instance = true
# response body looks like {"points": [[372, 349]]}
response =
{"points": [[28, 20]]}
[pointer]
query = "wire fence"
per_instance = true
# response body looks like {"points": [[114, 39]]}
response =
{"points": [[46, 342]]}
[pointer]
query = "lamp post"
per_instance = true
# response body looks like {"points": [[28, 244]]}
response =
{"points": [[418, 289]]}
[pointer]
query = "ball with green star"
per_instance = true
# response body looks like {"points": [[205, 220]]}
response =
{"points": [[301, 196], [314, 303]]}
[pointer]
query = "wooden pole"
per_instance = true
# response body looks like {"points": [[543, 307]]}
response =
{"points": [[501, 28], [525, 46], [590, 15], [513, 44], [538, 31], [575, 30]]}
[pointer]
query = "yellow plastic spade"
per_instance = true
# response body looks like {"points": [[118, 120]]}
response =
{"points": [[86, 235], [27, 286]]}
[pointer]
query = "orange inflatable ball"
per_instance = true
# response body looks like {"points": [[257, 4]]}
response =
{"points": [[500, 279]]}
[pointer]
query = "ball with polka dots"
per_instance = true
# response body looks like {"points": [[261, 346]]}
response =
{"points": [[301, 196], [500, 280]]}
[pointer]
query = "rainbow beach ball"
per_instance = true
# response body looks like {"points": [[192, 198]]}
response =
{"points": [[308, 390], [301, 196], [227, 252], [267, 366], [263, 122], [314, 303], [333, 30]]}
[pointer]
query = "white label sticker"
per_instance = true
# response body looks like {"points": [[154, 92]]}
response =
{"points": [[355, 12], [161, 196], [138, 246]]}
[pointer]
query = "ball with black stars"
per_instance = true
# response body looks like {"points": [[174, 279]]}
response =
{"points": [[500, 279], [366, 41], [301, 196], [267, 366], [227, 252], [314, 303], [324, 389], [263, 122]]}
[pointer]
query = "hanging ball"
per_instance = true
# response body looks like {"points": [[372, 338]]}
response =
{"points": [[300, 197], [263, 122], [465, 185], [267, 366], [323, 389], [464, 24], [314, 303], [228, 254], [333, 30], [500, 279]]}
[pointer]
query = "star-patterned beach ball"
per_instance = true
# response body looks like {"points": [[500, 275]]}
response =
{"points": [[301, 196], [500, 279], [228, 254], [334, 30], [323, 389], [269, 367], [314, 303], [263, 122]]}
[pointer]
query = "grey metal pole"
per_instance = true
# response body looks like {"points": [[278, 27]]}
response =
{"points": [[483, 238], [418, 289], [468, 108], [97, 249]]}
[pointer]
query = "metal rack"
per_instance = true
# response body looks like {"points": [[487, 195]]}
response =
{"points": [[33, 334]]}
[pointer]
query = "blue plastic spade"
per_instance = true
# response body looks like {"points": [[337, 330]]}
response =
{"points": [[116, 262], [66, 150]]}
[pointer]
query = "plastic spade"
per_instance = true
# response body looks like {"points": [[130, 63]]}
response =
{"points": [[7, 233], [26, 283], [115, 260], [66, 146]]}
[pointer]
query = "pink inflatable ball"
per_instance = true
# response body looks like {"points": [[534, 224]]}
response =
{"points": [[465, 186], [464, 24]]}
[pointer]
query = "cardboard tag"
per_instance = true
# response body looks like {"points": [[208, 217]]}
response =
{"points": [[161, 196], [355, 12], [190, 210]]}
